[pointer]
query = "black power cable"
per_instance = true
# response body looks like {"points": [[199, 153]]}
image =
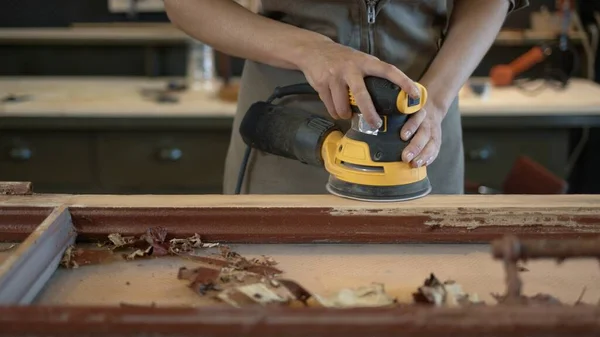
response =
{"points": [[279, 92]]}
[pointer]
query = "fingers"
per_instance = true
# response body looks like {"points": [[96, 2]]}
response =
{"points": [[393, 74], [357, 85], [412, 124], [425, 146], [332, 79], [428, 155], [339, 95], [417, 144], [325, 96]]}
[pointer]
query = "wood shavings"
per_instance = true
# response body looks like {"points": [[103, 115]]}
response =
{"points": [[202, 279], [154, 243], [264, 261], [67, 258], [238, 281], [373, 295], [117, 240], [258, 293], [262, 266], [8, 248], [299, 292], [207, 260], [138, 253], [75, 257], [179, 246], [156, 238], [448, 294], [538, 299]]}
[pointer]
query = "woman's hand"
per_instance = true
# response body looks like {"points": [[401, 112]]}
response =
{"points": [[426, 126], [332, 69]]}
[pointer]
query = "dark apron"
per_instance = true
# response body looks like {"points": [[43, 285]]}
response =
{"points": [[406, 33]]}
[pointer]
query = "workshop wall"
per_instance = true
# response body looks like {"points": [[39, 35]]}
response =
{"points": [[113, 60]]}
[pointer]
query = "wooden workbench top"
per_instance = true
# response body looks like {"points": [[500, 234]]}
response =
{"points": [[305, 201], [151, 32], [165, 32], [104, 97], [121, 97], [580, 97]]}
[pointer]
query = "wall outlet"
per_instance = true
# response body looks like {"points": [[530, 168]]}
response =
{"points": [[122, 6]]}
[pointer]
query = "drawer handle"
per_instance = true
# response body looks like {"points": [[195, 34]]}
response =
{"points": [[170, 154], [482, 154], [20, 153]]}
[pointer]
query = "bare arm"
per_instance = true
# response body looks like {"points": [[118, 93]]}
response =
{"points": [[229, 27], [473, 27], [330, 68]]}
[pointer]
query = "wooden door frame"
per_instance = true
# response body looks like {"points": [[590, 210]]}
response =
{"points": [[282, 219]]}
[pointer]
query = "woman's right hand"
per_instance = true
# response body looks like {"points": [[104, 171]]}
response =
{"points": [[332, 69]]}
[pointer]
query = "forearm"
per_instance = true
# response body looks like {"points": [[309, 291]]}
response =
{"points": [[234, 30], [473, 27]]}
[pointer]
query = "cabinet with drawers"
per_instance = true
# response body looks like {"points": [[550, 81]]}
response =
{"points": [[55, 160], [163, 161], [491, 152], [152, 156]]}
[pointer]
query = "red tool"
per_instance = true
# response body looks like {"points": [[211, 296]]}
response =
{"points": [[504, 74]]}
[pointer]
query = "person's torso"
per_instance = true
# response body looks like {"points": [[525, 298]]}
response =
{"points": [[406, 33]]}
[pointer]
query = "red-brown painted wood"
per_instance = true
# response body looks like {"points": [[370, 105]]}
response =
{"points": [[410, 321], [310, 225]]}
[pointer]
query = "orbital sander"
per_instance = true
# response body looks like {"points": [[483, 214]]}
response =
{"points": [[364, 163]]}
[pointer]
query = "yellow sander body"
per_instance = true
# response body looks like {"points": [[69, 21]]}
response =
{"points": [[364, 163]]}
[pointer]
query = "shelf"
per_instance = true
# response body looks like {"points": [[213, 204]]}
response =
{"points": [[165, 33]]}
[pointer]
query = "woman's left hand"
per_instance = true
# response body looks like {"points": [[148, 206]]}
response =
{"points": [[426, 126]]}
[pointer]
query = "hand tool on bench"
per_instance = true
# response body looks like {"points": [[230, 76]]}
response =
{"points": [[558, 57], [365, 163]]}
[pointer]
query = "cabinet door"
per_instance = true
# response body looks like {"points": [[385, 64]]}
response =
{"points": [[491, 153], [52, 161], [163, 162]]}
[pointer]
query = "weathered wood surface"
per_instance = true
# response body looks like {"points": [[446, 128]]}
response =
{"points": [[15, 188], [306, 219], [467, 202], [416, 321], [324, 218], [25, 272], [324, 269], [120, 97]]}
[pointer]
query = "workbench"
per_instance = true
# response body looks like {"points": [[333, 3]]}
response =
{"points": [[324, 243], [125, 142]]}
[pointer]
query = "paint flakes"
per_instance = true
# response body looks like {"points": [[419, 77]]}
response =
{"points": [[76, 257], [154, 243], [138, 253], [118, 241], [8, 248], [373, 295], [256, 293], [443, 294], [179, 246], [538, 299]]}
